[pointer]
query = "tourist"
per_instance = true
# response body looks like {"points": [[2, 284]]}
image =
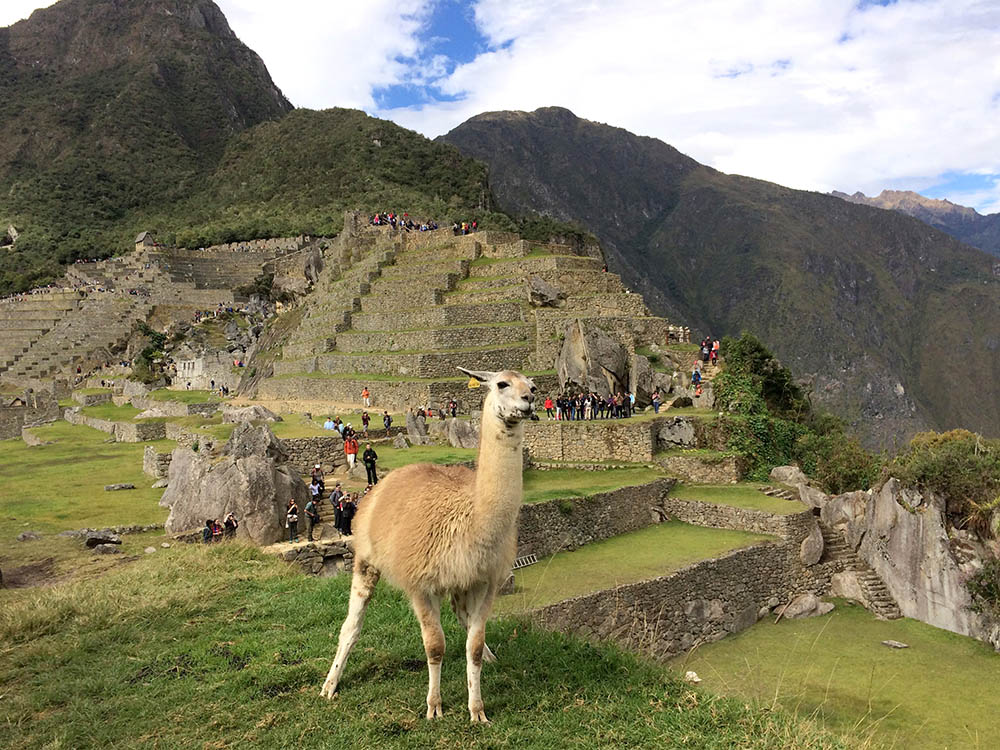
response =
{"points": [[329, 424], [366, 397], [216, 531], [206, 533], [387, 421], [347, 514], [696, 377], [318, 475], [231, 525], [365, 419], [655, 398], [453, 407], [369, 457], [350, 449], [312, 516], [548, 407], [292, 520], [315, 490]]}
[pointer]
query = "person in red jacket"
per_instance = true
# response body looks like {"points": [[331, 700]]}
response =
{"points": [[548, 406], [351, 450]]}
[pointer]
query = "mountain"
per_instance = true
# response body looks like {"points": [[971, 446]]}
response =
{"points": [[961, 222], [896, 325], [110, 107]]}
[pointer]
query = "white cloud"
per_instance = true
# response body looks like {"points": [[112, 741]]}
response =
{"points": [[13, 11], [814, 94]]}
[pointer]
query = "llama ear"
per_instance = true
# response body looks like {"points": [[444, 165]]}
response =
{"points": [[483, 376]]}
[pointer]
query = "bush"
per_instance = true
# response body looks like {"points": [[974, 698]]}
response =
{"points": [[748, 357], [984, 587]]}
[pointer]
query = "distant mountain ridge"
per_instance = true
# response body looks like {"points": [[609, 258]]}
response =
{"points": [[961, 222], [872, 305]]}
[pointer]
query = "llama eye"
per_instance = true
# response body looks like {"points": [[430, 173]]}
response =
{"points": [[501, 385]]}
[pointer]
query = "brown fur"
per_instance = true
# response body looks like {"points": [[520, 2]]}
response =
{"points": [[435, 531]]}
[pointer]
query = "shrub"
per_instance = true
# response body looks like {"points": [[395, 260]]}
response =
{"points": [[984, 587]]}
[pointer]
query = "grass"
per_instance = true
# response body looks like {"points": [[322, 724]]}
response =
{"points": [[939, 693], [559, 483], [393, 458], [214, 647], [52, 488], [743, 495], [91, 391], [185, 397], [107, 410], [652, 552]]}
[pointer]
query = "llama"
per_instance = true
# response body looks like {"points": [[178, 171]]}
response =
{"points": [[434, 531]]}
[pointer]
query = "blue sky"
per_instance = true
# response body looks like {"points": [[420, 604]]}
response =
{"points": [[814, 94]]}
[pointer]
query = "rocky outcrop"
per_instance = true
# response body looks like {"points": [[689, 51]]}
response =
{"points": [[675, 431], [543, 294], [591, 359], [416, 428], [458, 433], [806, 605], [791, 475], [255, 413], [906, 541], [811, 549], [251, 480]]}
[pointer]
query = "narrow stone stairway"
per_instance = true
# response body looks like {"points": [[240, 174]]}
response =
{"points": [[878, 599]]}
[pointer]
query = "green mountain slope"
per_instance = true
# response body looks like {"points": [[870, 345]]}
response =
{"points": [[109, 108], [896, 324]]}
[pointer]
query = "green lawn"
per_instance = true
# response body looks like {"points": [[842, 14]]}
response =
{"points": [[649, 553], [939, 693], [393, 458], [558, 483], [124, 413], [55, 487], [743, 495], [91, 391], [221, 647], [185, 397]]}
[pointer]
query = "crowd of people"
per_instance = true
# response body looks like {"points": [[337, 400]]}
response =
{"points": [[590, 406], [402, 221], [216, 532]]}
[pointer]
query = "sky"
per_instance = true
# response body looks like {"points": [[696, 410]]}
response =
{"points": [[814, 94]]}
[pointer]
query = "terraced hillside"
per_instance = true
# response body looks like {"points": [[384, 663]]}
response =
{"points": [[398, 313]]}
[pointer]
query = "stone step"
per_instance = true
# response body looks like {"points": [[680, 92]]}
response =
{"points": [[458, 266], [533, 264], [387, 302], [436, 364], [436, 317], [429, 339], [400, 285], [516, 292]]}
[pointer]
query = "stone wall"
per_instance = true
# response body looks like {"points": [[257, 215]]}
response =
{"points": [[701, 603], [432, 317], [558, 525], [432, 338], [175, 408], [154, 464], [616, 440], [13, 418], [304, 453], [91, 399], [793, 526], [727, 470], [426, 365]]}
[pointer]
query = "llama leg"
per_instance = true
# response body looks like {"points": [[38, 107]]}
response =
{"points": [[362, 586], [480, 601], [460, 606], [428, 611]]}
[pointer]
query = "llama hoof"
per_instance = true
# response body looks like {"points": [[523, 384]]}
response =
{"points": [[434, 710], [488, 655], [478, 717]]}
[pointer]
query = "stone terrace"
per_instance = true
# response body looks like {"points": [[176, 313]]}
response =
{"points": [[400, 312]]}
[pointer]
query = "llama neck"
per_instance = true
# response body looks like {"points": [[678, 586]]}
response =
{"points": [[499, 485]]}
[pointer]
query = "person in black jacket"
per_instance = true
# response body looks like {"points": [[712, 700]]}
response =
{"points": [[370, 457], [350, 505]]}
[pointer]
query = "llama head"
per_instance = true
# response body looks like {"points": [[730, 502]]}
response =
{"points": [[511, 396]]}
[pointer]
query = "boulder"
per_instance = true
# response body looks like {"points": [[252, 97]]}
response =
{"points": [[543, 294], [251, 480], [810, 496], [102, 538], [811, 549], [159, 484], [591, 359], [681, 402], [107, 549], [118, 487], [231, 331], [247, 440], [461, 433], [895, 644], [155, 413], [806, 605], [790, 475], [846, 515], [416, 428], [846, 585], [149, 550], [905, 540], [255, 413], [400, 441], [675, 431], [640, 381]]}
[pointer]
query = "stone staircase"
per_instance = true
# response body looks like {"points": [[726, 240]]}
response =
{"points": [[85, 337], [878, 599], [24, 320], [399, 313]]}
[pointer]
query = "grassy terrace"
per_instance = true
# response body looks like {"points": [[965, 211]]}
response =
{"points": [[641, 555], [743, 495], [55, 487], [185, 397], [223, 647], [124, 413], [939, 693], [540, 486]]}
